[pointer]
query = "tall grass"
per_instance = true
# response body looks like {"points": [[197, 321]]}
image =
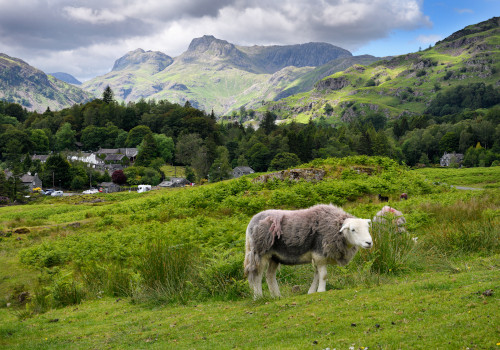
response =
{"points": [[393, 252], [166, 272], [464, 227]]}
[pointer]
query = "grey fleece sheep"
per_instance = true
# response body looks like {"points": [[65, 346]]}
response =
{"points": [[322, 234]]}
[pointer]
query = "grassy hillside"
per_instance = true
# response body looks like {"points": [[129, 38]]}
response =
{"points": [[33, 89], [164, 268], [404, 84]]}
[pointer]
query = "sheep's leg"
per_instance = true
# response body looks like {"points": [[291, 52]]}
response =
{"points": [[322, 272], [257, 278], [314, 285], [271, 279]]}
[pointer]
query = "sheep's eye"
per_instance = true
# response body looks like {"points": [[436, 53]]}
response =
{"points": [[353, 230]]}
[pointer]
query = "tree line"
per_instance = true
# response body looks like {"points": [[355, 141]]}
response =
{"points": [[169, 133]]}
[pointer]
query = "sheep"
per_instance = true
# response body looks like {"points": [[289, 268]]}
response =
{"points": [[383, 198], [322, 234], [398, 218]]}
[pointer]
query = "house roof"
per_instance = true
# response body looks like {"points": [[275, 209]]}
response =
{"points": [[129, 152], [244, 169], [108, 151], [40, 157], [114, 157]]}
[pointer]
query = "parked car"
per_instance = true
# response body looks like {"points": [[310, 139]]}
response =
{"points": [[48, 192], [57, 194], [143, 188], [91, 191]]}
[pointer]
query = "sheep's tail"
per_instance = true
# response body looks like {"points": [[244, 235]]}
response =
{"points": [[252, 259]]}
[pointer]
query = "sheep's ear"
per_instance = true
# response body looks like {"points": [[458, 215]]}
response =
{"points": [[344, 226]]}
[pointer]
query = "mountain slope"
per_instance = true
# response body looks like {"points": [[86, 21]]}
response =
{"points": [[405, 84], [215, 74], [33, 89], [67, 78]]}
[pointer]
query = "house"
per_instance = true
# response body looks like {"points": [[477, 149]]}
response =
{"points": [[109, 187], [89, 158], [242, 170], [41, 157], [114, 158], [28, 180], [175, 182], [130, 153], [449, 158]]}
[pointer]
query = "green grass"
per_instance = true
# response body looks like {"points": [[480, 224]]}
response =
{"points": [[429, 311], [473, 177], [163, 269]]}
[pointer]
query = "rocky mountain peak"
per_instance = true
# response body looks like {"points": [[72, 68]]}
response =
{"points": [[211, 45], [137, 58]]}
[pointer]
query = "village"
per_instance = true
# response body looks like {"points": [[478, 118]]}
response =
{"points": [[105, 160]]}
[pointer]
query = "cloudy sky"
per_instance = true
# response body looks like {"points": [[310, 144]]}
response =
{"points": [[84, 38]]}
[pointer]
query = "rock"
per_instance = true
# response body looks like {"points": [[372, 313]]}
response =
{"points": [[22, 230], [23, 297], [488, 293], [294, 175]]}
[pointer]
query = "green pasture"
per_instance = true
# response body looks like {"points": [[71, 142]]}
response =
{"points": [[163, 269]]}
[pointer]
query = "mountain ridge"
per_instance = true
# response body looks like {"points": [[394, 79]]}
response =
{"points": [[216, 74]]}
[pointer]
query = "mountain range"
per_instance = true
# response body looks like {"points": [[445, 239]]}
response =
{"points": [[294, 81], [214, 74]]}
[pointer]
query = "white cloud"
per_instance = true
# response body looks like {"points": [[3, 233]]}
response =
{"points": [[65, 33], [464, 11], [429, 39], [86, 14]]}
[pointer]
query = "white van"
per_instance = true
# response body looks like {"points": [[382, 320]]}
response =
{"points": [[143, 188]]}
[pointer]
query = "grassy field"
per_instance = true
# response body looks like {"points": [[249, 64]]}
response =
{"points": [[163, 269], [473, 177]]}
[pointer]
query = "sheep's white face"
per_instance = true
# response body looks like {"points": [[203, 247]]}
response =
{"points": [[357, 232]]}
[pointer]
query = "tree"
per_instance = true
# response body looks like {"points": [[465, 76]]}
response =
{"points": [[449, 142], [328, 109], [284, 160], [65, 138], [107, 95], [147, 151], [119, 177], [136, 135], [165, 146], [201, 162], [57, 171], [40, 141], [220, 169], [258, 157], [186, 148], [267, 124]]}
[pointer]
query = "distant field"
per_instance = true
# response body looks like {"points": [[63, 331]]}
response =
{"points": [[473, 177], [173, 171]]}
